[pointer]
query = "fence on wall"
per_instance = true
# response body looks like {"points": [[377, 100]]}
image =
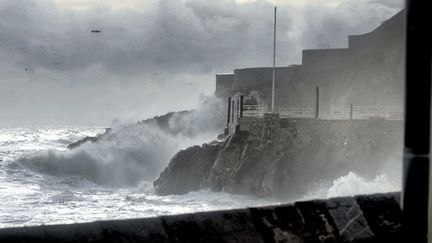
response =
{"points": [[297, 112], [353, 113], [254, 110], [368, 112]]}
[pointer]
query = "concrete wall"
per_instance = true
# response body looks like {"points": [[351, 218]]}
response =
{"points": [[369, 218], [324, 59], [388, 31], [224, 84], [370, 72], [252, 78], [260, 79]]}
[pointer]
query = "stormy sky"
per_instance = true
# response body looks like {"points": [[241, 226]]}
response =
{"points": [[151, 56]]}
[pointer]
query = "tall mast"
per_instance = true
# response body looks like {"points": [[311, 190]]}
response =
{"points": [[274, 62]]}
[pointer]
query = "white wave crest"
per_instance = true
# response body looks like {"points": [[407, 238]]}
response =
{"points": [[351, 184], [130, 153]]}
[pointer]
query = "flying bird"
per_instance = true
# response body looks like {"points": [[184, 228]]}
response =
{"points": [[29, 69], [96, 31]]}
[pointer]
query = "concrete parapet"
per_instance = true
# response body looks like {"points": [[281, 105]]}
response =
{"points": [[349, 220], [369, 218], [383, 216]]}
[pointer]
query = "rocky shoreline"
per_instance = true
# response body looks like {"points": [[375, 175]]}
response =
{"points": [[285, 157]]}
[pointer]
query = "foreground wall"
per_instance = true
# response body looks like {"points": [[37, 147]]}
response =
{"points": [[369, 218]]}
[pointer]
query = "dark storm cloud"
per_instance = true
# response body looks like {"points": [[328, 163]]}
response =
{"points": [[170, 35], [152, 60]]}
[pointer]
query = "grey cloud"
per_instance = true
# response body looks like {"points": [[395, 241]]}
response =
{"points": [[171, 36], [329, 25], [153, 60], [389, 3]]}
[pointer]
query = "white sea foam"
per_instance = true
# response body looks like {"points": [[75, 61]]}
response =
{"points": [[351, 184], [37, 198], [44, 183], [131, 152]]}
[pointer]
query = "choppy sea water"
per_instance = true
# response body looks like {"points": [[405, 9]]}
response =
{"points": [[53, 185], [30, 197]]}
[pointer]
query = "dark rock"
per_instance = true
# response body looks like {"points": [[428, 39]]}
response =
{"points": [[83, 141], [274, 156], [89, 139], [187, 170]]}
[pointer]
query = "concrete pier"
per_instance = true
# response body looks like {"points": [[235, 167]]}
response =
{"points": [[368, 218]]}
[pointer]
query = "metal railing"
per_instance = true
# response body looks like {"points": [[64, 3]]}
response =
{"points": [[355, 112], [368, 112], [341, 114], [297, 112], [254, 110]]}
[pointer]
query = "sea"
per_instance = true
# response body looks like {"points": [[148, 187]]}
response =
{"points": [[43, 182]]}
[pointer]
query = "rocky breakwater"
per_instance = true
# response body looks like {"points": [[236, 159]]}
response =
{"points": [[286, 157]]}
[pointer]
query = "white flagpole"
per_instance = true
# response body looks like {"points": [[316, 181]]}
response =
{"points": [[274, 63]]}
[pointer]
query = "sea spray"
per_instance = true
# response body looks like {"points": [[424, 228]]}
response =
{"points": [[35, 198], [353, 184], [126, 157], [133, 152], [350, 184]]}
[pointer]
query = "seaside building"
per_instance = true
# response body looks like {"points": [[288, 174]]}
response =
{"points": [[362, 81]]}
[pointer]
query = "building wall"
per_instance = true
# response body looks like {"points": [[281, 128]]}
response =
{"points": [[324, 58], [260, 80], [389, 31], [224, 83], [250, 78], [369, 72]]}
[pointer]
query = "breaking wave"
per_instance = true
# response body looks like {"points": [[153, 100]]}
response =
{"points": [[351, 184], [134, 152]]}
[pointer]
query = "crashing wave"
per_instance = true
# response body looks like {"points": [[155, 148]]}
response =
{"points": [[135, 152]]}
